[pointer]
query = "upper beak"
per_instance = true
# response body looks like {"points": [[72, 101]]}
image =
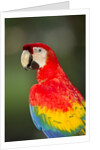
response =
{"points": [[30, 61], [26, 59]]}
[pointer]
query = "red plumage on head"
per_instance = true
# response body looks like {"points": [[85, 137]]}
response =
{"points": [[31, 45], [49, 70]]}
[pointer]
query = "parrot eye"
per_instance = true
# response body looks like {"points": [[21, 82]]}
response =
{"points": [[40, 50]]}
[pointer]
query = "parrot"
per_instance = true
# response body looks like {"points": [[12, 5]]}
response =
{"points": [[56, 106]]}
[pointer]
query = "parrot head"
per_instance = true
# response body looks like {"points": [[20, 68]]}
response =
{"points": [[37, 55]]}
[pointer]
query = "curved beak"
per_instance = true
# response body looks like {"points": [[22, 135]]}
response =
{"points": [[27, 61]]}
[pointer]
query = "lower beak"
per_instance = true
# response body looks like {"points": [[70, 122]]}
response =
{"points": [[34, 65]]}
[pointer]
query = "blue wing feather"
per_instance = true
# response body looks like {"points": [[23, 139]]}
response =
{"points": [[33, 117], [49, 133]]}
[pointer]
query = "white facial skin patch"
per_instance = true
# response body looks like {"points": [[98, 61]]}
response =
{"points": [[39, 56], [25, 58]]}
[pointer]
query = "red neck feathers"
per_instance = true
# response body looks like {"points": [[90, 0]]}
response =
{"points": [[52, 68]]}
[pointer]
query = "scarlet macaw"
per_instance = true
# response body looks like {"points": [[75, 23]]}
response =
{"points": [[56, 106]]}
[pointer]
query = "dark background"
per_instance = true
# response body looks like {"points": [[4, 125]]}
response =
{"points": [[66, 36]]}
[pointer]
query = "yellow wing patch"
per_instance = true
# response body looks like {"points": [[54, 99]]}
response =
{"points": [[65, 121]]}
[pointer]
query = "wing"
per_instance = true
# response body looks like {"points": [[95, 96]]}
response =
{"points": [[34, 118], [58, 123], [79, 95], [55, 114]]}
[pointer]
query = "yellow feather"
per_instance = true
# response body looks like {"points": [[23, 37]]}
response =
{"points": [[66, 121]]}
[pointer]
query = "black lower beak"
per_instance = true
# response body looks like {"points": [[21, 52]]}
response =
{"points": [[32, 64]]}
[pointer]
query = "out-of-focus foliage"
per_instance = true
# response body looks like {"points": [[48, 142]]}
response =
{"points": [[66, 36]]}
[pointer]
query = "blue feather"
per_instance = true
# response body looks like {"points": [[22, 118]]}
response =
{"points": [[34, 117]]}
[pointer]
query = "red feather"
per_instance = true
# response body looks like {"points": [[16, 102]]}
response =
{"points": [[55, 91]]}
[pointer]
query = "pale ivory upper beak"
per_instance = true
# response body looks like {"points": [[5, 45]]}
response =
{"points": [[25, 58]]}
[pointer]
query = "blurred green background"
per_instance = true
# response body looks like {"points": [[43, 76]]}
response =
{"points": [[66, 36]]}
